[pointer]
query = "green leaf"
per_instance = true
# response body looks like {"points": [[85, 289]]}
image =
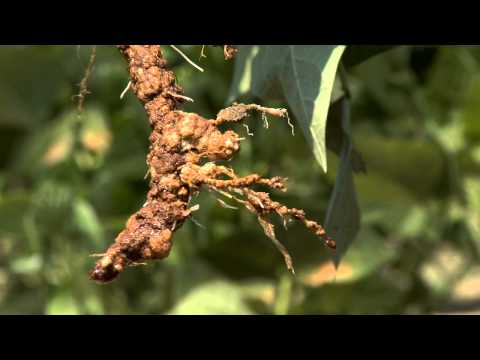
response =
{"points": [[242, 75], [62, 303], [303, 75], [12, 210], [442, 270], [50, 145], [212, 298], [472, 215], [363, 259], [25, 106], [336, 135], [86, 220], [27, 264], [95, 134], [343, 216], [381, 153], [284, 294]]}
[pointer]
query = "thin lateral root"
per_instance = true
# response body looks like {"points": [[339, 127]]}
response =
{"points": [[84, 82], [125, 90], [186, 58]]}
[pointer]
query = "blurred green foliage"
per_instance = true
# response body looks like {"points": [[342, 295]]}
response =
{"points": [[69, 182]]}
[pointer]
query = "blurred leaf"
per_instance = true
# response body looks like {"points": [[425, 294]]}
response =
{"points": [[52, 203], [95, 135], [371, 295], [12, 209], [328, 273], [48, 146], [415, 221], [242, 76], [449, 88], [356, 54], [33, 77], [59, 150], [449, 135], [363, 258], [442, 270], [212, 298], [93, 305], [27, 265], [189, 274], [395, 209], [259, 294], [62, 303], [468, 288], [303, 75], [95, 138], [472, 190], [283, 295], [342, 221], [470, 112], [382, 156], [86, 219], [2, 184]]}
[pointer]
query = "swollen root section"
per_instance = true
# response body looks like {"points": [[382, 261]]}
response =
{"points": [[184, 149]]}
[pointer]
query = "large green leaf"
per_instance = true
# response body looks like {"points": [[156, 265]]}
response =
{"points": [[303, 75], [336, 135], [343, 217]]}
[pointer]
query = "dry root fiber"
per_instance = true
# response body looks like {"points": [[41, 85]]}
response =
{"points": [[183, 151], [229, 51]]}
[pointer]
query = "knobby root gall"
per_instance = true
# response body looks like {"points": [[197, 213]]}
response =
{"points": [[181, 162]]}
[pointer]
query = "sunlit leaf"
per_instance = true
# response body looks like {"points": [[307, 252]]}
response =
{"points": [[468, 288], [212, 298], [302, 75], [362, 259], [27, 265], [62, 303], [441, 271], [95, 134]]}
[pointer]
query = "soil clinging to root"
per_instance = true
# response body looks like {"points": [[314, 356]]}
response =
{"points": [[181, 162]]}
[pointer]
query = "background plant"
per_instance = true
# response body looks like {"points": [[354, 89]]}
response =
{"points": [[68, 184]]}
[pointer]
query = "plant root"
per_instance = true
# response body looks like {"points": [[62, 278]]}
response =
{"points": [[229, 51], [83, 92], [180, 143]]}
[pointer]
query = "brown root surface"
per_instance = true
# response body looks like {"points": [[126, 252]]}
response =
{"points": [[180, 144], [229, 51]]}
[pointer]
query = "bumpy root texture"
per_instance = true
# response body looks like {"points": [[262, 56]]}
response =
{"points": [[183, 151]]}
